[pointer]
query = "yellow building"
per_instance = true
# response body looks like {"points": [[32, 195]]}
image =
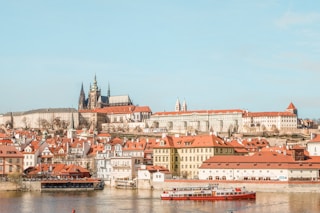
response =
{"points": [[183, 155]]}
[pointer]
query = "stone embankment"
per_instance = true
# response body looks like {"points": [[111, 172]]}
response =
{"points": [[258, 186], [23, 186]]}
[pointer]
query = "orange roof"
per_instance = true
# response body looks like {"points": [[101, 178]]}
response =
{"points": [[59, 169], [3, 135], [268, 114], [10, 151], [134, 146], [192, 141], [119, 109], [116, 140], [157, 168], [6, 141], [199, 112], [104, 135], [315, 139], [291, 106], [260, 160], [95, 149]]}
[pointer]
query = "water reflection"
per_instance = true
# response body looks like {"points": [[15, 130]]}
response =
{"points": [[118, 201]]}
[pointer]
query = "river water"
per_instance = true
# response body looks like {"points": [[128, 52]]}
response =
{"points": [[146, 201]]}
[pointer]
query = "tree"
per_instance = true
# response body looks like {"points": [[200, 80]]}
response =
{"points": [[15, 178], [25, 122]]}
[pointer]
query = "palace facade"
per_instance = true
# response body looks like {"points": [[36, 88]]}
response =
{"points": [[118, 113], [223, 121]]}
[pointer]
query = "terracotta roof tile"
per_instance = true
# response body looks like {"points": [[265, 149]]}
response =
{"points": [[199, 112]]}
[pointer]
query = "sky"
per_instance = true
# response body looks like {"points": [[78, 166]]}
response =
{"points": [[252, 55]]}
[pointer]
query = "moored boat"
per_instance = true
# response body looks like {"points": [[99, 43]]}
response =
{"points": [[72, 184], [210, 192]]}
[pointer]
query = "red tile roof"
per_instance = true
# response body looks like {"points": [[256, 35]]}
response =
{"points": [[9, 151], [104, 135], [153, 169], [192, 142], [315, 139], [60, 169], [119, 109], [199, 112], [260, 160], [291, 106], [268, 114], [134, 146], [3, 135]]}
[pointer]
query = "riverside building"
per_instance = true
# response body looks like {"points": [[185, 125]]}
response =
{"points": [[183, 155], [282, 166]]}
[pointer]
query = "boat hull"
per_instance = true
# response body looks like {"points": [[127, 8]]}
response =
{"points": [[210, 192], [251, 196]]}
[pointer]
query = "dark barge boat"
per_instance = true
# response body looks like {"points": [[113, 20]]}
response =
{"points": [[84, 184]]}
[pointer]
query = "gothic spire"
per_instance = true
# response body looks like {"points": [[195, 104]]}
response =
{"points": [[108, 90], [95, 85], [82, 91], [184, 105], [82, 98], [178, 106]]}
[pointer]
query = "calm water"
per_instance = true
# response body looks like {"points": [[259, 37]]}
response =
{"points": [[112, 200]]}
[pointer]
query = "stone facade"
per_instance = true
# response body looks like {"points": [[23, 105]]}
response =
{"points": [[222, 121], [51, 118]]}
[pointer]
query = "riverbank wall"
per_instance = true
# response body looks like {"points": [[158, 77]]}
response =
{"points": [[23, 186], [258, 186]]}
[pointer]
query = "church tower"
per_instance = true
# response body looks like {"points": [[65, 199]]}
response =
{"points": [[184, 106], [291, 108], [109, 94], [94, 94], [178, 106], [82, 99]]}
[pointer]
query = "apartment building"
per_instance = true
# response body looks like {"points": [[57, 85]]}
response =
{"points": [[11, 160], [183, 155]]}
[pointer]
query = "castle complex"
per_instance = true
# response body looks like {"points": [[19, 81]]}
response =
{"points": [[118, 113], [96, 100]]}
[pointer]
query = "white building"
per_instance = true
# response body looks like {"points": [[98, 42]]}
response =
{"points": [[122, 168], [271, 121], [30, 156], [143, 173], [103, 165], [158, 176], [262, 166], [313, 146], [197, 121]]}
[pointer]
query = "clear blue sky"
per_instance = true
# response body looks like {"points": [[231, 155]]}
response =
{"points": [[248, 54]]}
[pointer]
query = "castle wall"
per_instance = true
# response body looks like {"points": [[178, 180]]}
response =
{"points": [[38, 118]]}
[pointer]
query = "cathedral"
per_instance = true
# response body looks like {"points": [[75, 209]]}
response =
{"points": [[96, 100]]}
